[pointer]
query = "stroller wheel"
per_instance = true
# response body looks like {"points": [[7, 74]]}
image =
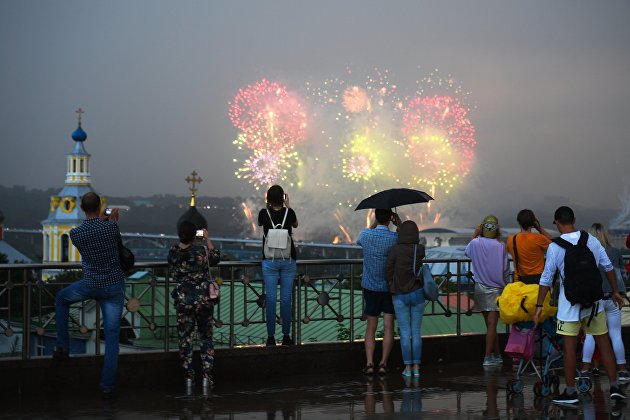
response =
{"points": [[514, 386], [541, 390], [584, 385]]}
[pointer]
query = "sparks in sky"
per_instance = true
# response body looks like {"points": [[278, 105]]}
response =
{"points": [[364, 135]]}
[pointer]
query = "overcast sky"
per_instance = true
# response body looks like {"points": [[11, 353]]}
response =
{"points": [[549, 80]]}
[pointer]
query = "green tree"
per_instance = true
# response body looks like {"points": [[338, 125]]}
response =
{"points": [[3, 258]]}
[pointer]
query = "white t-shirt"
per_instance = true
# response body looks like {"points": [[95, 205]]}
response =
{"points": [[555, 261]]}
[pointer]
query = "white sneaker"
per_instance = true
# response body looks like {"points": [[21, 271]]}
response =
{"points": [[498, 359]]}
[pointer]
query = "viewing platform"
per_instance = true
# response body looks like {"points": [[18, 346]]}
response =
{"points": [[319, 377]]}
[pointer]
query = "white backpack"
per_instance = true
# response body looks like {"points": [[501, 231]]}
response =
{"points": [[277, 242]]}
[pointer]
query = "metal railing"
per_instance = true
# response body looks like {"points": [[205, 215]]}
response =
{"points": [[327, 302]]}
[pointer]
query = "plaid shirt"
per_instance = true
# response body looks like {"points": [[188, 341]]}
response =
{"points": [[97, 241], [376, 244]]}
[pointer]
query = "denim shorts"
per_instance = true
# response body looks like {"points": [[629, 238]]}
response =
{"points": [[377, 303]]}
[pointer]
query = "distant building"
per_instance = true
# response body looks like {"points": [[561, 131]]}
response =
{"points": [[65, 212], [13, 255]]}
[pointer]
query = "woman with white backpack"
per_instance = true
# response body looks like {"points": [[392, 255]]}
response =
{"points": [[279, 261]]}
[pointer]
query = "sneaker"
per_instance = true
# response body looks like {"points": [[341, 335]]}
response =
{"points": [[207, 382], [271, 341], [497, 358], [60, 354], [616, 393], [565, 398], [286, 341], [489, 361], [189, 381], [623, 376]]}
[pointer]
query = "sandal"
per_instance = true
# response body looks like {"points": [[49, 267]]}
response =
{"points": [[369, 369], [382, 369]]}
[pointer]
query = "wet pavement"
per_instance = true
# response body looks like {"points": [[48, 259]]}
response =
{"points": [[452, 391]]}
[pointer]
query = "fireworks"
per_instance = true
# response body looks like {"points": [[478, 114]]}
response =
{"points": [[361, 158], [272, 121], [440, 140], [363, 136]]}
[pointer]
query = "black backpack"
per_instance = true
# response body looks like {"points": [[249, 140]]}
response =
{"points": [[582, 280]]}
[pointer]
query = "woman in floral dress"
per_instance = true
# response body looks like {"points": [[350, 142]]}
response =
{"points": [[189, 261]]}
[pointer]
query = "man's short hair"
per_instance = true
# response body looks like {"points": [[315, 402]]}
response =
{"points": [[383, 215], [91, 202], [564, 215], [526, 218]]}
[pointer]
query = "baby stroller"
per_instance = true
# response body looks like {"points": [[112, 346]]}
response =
{"points": [[543, 362]]}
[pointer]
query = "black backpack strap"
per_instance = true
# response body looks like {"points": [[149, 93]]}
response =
{"points": [[515, 255], [594, 311], [562, 243], [583, 239]]}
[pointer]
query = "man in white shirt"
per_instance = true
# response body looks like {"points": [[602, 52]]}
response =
{"points": [[573, 317]]}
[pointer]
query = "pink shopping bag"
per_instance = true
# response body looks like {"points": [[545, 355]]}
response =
{"points": [[520, 343]]}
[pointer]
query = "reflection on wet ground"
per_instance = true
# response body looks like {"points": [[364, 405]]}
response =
{"points": [[454, 391]]}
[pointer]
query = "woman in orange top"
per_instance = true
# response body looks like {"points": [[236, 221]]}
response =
{"points": [[528, 248]]}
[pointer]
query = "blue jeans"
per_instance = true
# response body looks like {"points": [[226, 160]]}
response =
{"points": [[409, 309], [111, 300], [275, 271]]}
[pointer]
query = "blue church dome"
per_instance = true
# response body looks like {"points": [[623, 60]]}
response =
{"points": [[79, 134]]}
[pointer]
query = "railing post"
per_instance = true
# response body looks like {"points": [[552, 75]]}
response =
{"points": [[97, 341], [459, 305], [351, 330], [167, 310], [298, 310], [26, 324], [232, 342]]}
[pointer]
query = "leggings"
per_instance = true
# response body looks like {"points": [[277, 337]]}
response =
{"points": [[613, 317]]}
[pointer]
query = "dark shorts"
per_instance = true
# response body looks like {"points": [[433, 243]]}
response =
{"points": [[377, 303]]}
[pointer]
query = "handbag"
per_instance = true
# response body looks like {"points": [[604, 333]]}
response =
{"points": [[126, 257], [429, 285], [520, 343], [214, 289]]}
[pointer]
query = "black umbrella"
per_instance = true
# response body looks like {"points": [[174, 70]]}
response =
{"points": [[395, 197]]}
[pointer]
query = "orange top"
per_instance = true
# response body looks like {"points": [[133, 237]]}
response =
{"points": [[531, 252]]}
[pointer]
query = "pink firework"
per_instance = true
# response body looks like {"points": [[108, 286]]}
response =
{"points": [[268, 115], [441, 120]]}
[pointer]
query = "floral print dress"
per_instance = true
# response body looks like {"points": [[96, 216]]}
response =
{"points": [[192, 302]]}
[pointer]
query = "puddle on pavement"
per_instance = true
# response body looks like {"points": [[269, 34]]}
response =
{"points": [[465, 392]]}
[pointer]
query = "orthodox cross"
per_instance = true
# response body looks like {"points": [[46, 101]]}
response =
{"points": [[80, 113], [194, 180]]}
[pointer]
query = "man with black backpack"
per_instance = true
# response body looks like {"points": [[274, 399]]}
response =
{"points": [[577, 256]]}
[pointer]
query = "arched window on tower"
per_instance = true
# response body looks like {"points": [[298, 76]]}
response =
{"points": [[81, 165], [74, 165], [65, 245]]}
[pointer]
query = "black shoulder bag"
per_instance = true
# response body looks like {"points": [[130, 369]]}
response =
{"points": [[126, 257]]}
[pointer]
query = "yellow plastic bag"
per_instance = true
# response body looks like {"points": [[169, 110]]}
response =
{"points": [[517, 303]]}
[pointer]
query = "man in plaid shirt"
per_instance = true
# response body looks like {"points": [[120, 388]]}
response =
{"points": [[103, 280], [376, 243]]}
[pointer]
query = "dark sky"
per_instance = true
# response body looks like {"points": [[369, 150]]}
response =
{"points": [[549, 80]]}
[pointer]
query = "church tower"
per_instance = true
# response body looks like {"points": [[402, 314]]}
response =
{"points": [[65, 212]]}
